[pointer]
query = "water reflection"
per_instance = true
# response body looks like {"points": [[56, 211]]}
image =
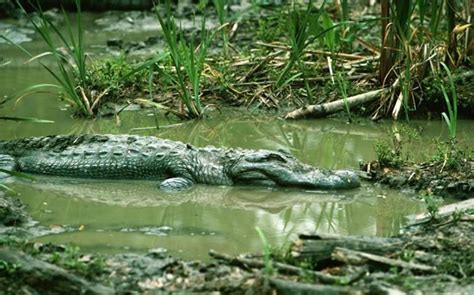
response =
{"points": [[118, 215], [115, 215]]}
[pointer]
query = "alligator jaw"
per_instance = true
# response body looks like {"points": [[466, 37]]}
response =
{"points": [[294, 174]]}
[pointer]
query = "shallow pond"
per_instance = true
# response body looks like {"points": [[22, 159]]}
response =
{"points": [[119, 216]]}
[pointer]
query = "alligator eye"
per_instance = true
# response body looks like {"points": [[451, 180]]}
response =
{"points": [[269, 157]]}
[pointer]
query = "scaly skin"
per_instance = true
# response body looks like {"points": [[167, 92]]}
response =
{"points": [[176, 164]]}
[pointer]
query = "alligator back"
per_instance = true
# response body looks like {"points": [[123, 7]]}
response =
{"points": [[96, 156]]}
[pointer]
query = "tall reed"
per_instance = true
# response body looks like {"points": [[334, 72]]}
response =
{"points": [[221, 6], [187, 59], [303, 29], [70, 58], [451, 101]]}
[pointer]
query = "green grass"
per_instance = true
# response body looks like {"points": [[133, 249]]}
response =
{"points": [[268, 270], [68, 51], [342, 86], [451, 101], [303, 29], [220, 6], [188, 61]]}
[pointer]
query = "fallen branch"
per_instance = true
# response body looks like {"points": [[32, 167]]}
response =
{"points": [[45, 278], [442, 212], [319, 247], [289, 269], [322, 110], [357, 258]]}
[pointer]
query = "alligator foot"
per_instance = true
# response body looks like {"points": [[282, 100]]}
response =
{"points": [[7, 164], [176, 184]]}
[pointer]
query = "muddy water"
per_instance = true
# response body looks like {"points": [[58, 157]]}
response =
{"points": [[119, 216]]}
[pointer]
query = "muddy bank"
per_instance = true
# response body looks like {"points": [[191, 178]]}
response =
{"points": [[430, 178], [434, 256], [12, 211]]}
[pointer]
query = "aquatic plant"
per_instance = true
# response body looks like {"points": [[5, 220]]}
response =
{"points": [[187, 59], [221, 10], [268, 270], [395, 149], [69, 54], [433, 204], [342, 86], [451, 103], [303, 29], [412, 40]]}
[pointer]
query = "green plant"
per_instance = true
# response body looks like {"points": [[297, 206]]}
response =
{"points": [[395, 149], [268, 270], [448, 154], [342, 85], [451, 103], [8, 268], [70, 58], [221, 9], [330, 36], [188, 61], [117, 76], [72, 258], [303, 29], [271, 28], [432, 205]]}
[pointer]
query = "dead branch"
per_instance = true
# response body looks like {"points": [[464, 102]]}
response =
{"points": [[325, 109]]}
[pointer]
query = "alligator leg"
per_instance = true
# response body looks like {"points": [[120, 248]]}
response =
{"points": [[176, 184], [7, 163]]}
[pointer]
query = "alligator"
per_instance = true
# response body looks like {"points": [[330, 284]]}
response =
{"points": [[175, 164]]}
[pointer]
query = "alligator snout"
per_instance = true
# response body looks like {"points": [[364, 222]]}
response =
{"points": [[282, 170]]}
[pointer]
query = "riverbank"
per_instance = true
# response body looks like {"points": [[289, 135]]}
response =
{"points": [[435, 255], [449, 175], [250, 63]]}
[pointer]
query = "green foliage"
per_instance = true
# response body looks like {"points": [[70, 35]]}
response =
{"points": [[71, 258], [271, 28], [330, 36], [432, 205], [70, 57], [114, 76], [448, 155], [387, 155], [221, 9], [188, 61], [266, 253], [342, 85], [451, 103], [394, 150], [303, 28], [8, 269]]}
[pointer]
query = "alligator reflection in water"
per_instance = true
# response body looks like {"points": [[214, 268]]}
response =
{"points": [[113, 215], [135, 193]]}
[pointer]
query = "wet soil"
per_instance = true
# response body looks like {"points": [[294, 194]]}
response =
{"points": [[12, 211], [430, 178]]}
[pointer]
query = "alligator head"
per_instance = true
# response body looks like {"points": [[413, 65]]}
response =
{"points": [[283, 169]]}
